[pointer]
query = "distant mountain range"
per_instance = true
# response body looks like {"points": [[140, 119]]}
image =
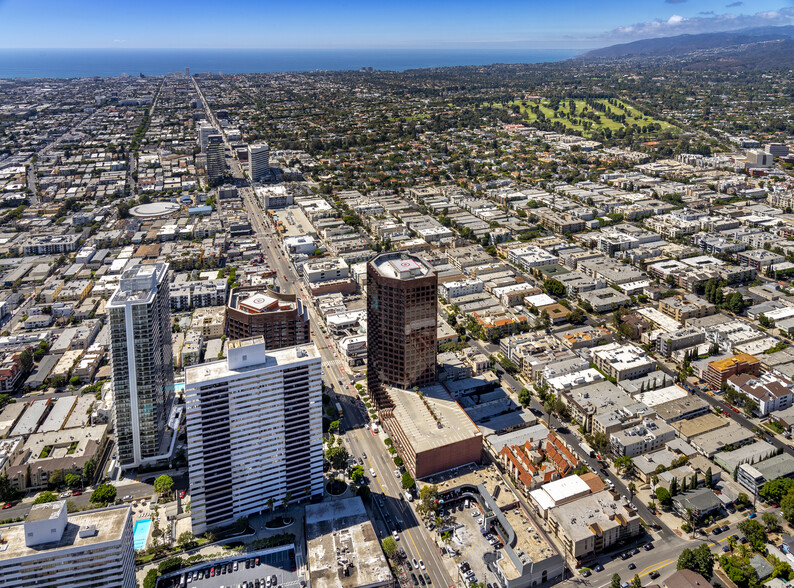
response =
{"points": [[755, 48]]}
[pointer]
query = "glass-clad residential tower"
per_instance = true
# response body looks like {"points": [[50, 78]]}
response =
{"points": [[141, 362]]}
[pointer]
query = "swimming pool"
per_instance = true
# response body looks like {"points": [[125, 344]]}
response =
{"points": [[140, 533]]}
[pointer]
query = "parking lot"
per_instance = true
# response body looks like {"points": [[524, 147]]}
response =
{"points": [[468, 540], [271, 568]]}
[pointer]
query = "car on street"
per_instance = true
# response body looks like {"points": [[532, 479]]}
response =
{"points": [[752, 515], [586, 573], [414, 580], [726, 548], [416, 563], [421, 564], [632, 566], [599, 568], [7, 505], [648, 546], [716, 531], [396, 535], [725, 528], [654, 574]]}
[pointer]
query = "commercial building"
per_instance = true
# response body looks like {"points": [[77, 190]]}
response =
{"points": [[343, 548], [141, 362], [622, 362], [401, 324], [430, 431], [282, 319], [719, 371], [216, 160], [258, 161], [254, 423], [53, 549]]}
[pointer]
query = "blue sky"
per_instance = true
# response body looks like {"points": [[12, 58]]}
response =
{"points": [[370, 24]]}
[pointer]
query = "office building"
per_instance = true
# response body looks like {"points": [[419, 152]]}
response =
{"points": [[258, 161], [254, 431], [430, 430], [401, 324], [282, 319], [53, 549], [141, 362], [216, 163]]}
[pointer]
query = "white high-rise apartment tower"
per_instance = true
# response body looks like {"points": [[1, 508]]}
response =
{"points": [[141, 362], [254, 431], [258, 161]]}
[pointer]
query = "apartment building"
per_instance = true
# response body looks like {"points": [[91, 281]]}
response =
{"points": [[623, 362], [53, 549], [254, 423]]}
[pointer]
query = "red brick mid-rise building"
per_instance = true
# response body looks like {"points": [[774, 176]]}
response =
{"points": [[719, 371], [281, 319]]}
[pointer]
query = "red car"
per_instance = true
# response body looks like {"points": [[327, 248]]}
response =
{"points": [[7, 505], [182, 494], [77, 493], [212, 572]]}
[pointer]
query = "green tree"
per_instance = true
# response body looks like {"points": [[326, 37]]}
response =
{"points": [[554, 287], [389, 547], [7, 491], [150, 580], [164, 485], [698, 560], [524, 397], [616, 582], [337, 456], [664, 498], [407, 481], [787, 507], [577, 317], [333, 427], [357, 473], [775, 490], [636, 582], [73, 480], [89, 469], [363, 492], [104, 494], [755, 533], [428, 495], [45, 497], [770, 521], [186, 540]]}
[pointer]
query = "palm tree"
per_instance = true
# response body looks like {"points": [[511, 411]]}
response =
{"points": [[632, 488], [270, 502], [287, 498]]}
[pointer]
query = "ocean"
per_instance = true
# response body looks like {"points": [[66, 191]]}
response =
{"points": [[77, 63]]}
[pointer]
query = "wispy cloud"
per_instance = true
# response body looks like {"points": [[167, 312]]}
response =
{"points": [[707, 23], [675, 1], [734, 4], [119, 40]]}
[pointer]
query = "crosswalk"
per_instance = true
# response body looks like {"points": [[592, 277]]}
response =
{"points": [[334, 362]]}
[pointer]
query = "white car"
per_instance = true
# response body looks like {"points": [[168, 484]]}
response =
{"points": [[416, 563], [372, 473], [421, 564], [397, 474], [396, 535]]}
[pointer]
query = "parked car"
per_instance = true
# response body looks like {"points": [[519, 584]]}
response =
{"points": [[648, 546], [599, 568]]}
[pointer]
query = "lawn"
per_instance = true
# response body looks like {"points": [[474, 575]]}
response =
{"points": [[583, 118]]}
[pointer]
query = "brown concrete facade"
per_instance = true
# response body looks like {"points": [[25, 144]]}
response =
{"points": [[401, 325]]}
